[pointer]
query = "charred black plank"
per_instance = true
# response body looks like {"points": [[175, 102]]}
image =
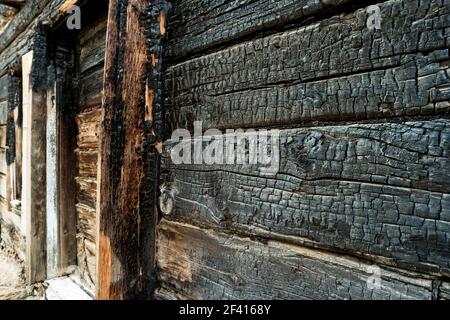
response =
{"points": [[377, 189]]}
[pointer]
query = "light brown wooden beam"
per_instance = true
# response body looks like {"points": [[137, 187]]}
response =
{"points": [[34, 165]]}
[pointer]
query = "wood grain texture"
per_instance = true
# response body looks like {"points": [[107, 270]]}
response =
{"points": [[205, 264], [34, 174], [127, 208]]}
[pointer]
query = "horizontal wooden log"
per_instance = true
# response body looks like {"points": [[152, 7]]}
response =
{"points": [[87, 192], [444, 291], [378, 189], [200, 25], [204, 264], [3, 113], [21, 21], [92, 45], [91, 88], [88, 163], [88, 124], [334, 70]]}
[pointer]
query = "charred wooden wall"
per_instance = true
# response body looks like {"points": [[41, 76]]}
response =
{"points": [[364, 146]]}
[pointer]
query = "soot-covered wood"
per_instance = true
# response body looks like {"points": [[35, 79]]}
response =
{"points": [[376, 191], [333, 70], [130, 148]]}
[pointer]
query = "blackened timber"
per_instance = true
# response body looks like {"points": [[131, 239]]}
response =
{"points": [[199, 25], [333, 70], [376, 189], [129, 154]]}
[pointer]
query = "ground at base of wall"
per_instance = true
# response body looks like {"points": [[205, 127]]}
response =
{"points": [[64, 288], [12, 283]]}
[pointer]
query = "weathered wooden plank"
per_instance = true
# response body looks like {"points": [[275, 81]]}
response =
{"points": [[51, 210], [86, 215], [6, 14], [91, 88], [92, 45], [444, 291], [34, 174], [17, 38], [379, 189], [3, 184], [4, 88], [87, 193], [3, 131], [88, 162], [13, 3], [11, 233], [21, 21], [127, 174], [3, 164], [87, 237], [205, 264], [200, 25], [67, 169], [3, 113], [334, 70]]}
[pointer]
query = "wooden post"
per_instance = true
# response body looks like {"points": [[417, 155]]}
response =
{"points": [[52, 213], [34, 176], [127, 210]]}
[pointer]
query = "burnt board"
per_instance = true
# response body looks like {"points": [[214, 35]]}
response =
{"points": [[363, 121]]}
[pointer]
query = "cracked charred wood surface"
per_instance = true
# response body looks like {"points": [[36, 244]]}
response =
{"points": [[130, 149], [333, 70], [379, 189], [13, 3], [201, 25], [205, 264], [364, 150]]}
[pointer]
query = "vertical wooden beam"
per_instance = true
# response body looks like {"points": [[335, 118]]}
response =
{"points": [[34, 176], [52, 214], [66, 126], [129, 161]]}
